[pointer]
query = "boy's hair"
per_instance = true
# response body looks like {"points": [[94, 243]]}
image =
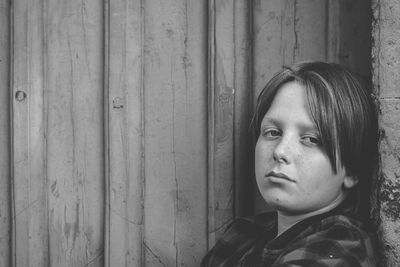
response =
{"points": [[341, 108]]}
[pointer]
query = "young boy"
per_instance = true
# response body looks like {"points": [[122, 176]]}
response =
{"points": [[314, 158]]}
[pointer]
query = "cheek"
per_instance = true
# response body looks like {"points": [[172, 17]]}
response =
{"points": [[317, 173], [257, 157], [262, 152], [310, 167], [262, 155], [257, 150]]}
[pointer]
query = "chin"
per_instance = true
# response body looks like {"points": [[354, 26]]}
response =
{"points": [[276, 203]]}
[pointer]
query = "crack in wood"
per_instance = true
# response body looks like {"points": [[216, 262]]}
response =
{"points": [[154, 254]]}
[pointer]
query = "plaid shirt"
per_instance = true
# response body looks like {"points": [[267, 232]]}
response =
{"points": [[331, 239]]}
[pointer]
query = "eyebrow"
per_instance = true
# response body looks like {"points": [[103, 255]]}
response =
{"points": [[269, 120]]}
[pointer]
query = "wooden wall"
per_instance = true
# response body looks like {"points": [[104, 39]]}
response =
{"points": [[124, 137], [5, 155]]}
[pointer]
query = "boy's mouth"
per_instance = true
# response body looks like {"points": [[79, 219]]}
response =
{"points": [[279, 175]]}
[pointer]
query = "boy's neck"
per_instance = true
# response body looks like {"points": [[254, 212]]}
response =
{"points": [[287, 220]]}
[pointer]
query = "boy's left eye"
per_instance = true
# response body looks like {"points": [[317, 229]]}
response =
{"points": [[312, 140]]}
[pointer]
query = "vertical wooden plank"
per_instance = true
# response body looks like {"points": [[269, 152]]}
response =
{"points": [[355, 35], [310, 29], [30, 238], [74, 114], [175, 93], [243, 109], [333, 31], [289, 31], [221, 118], [190, 133], [230, 102], [286, 32], [274, 39], [124, 130], [5, 199]]}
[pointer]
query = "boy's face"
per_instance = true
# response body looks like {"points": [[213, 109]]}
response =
{"points": [[293, 173]]}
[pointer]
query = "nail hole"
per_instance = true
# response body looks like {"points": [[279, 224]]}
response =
{"points": [[20, 95]]}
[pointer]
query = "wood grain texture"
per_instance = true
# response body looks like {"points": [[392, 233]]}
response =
{"points": [[74, 114], [230, 106], [243, 109], [274, 39], [5, 156], [221, 118], [333, 41], [286, 32], [175, 132], [29, 200], [311, 30], [124, 127]]}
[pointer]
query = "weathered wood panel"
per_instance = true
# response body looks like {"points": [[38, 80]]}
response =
{"points": [[354, 34], [29, 200], [333, 28], [124, 127], [286, 32], [5, 177], [74, 114], [274, 39], [230, 107], [175, 103], [243, 109], [221, 117], [310, 30]]}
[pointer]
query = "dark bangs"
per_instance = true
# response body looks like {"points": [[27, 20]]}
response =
{"points": [[324, 115], [343, 113]]}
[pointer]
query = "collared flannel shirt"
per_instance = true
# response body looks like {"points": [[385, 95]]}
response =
{"points": [[334, 238]]}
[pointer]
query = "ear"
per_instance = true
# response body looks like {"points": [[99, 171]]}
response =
{"points": [[349, 181]]}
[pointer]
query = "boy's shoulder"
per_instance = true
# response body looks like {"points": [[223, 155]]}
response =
{"points": [[333, 238], [238, 238]]}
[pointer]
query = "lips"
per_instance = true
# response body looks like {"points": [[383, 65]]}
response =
{"points": [[279, 175]]}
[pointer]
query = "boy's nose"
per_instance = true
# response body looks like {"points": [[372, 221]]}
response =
{"points": [[282, 151]]}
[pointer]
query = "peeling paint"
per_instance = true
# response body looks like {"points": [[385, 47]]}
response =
{"points": [[54, 189]]}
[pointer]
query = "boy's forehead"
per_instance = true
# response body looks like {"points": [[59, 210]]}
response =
{"points": [[290, 105]]}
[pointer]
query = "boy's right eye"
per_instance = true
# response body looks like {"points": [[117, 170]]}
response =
{"points": [[271, 133]]}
